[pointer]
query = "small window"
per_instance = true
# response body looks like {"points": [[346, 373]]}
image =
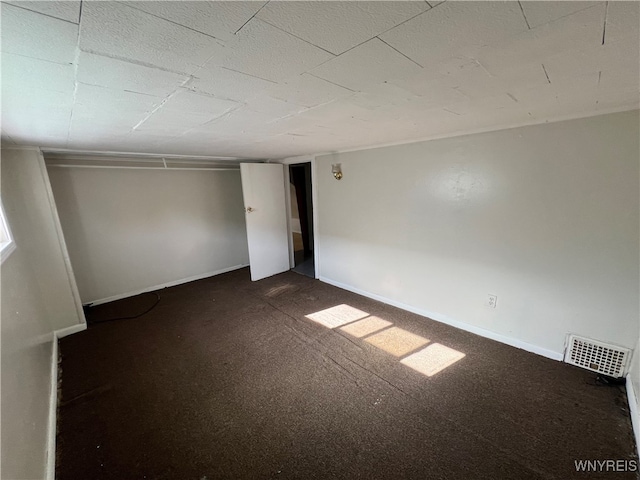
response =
{"points": [[7, 245]]}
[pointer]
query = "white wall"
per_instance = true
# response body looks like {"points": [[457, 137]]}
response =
{"points": [[545, 217], [131, 230], [36, 299]]}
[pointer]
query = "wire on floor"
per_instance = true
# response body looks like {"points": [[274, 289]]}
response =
{"points": [[129, 317]]}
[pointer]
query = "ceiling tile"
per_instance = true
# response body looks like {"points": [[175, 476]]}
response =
{"points": [[623, 19], [116, 30], [37, 36], [101, 98], [541, 12], [252, 95], [308, 91], [224, 83], [339, 26], [269, 53], [108, 72], [370, 63], [25, 74], [455, 27], [580, 30], [610, 57], [38, 113], [193, 103], [184, 111], [66, 10], [220, 19], [273, 107], [36, 100]]}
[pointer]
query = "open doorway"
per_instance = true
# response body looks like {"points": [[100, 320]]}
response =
{"points": [[302, 218]]}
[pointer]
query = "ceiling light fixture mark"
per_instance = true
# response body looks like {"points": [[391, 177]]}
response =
{"points": [[251, 18], [524, 15]]}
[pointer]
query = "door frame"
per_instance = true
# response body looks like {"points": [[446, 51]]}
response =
{"points": [[314, 201]]}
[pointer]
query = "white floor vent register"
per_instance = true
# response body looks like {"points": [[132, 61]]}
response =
{"points": [[597, 356]]}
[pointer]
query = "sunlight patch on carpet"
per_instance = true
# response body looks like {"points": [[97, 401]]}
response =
{"points": [[337, 316], [432, 359], [397, 341], [362, 328]]}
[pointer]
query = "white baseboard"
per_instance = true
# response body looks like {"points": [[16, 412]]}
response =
{"points": [[63, 332], [454, 323], [164, 285], [50, 468], [633, 412]]}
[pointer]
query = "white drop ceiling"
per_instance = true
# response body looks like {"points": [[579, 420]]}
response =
{"points": [[278, 79]]}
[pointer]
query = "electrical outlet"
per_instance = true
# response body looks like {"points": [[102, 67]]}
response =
{"points": [[492, 301]]}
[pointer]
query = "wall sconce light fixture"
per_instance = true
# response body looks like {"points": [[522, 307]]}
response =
{"points": [[336, 169]]}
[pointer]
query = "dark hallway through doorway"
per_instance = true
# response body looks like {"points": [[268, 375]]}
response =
{"points": [[302, 218]]}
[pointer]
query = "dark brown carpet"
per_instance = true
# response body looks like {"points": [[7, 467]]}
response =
{"points": [[226, 378]]}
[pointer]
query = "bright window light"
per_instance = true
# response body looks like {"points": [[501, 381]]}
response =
{"points": [[7, 245], [432, 359], [362, 328], [397, 341], [337, 316]]}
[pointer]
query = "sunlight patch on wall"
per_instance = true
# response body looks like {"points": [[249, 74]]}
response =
{"points": [[337, 316], [397, 341], [365, 327], [432, 359]]}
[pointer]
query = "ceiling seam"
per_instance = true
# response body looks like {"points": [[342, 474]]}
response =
{"points": [[329, 81], [394, 48], [39, 59], [300, 38], [251, 18], [604, 25], [248, 74], [545, 73], [134, 62], [172, 22], [76, 63], [155, 109], [38, 13], [524, 15], [570, 14], [409, 19]]}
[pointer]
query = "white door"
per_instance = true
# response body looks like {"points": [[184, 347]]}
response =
{"points": [[265, 213]]}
